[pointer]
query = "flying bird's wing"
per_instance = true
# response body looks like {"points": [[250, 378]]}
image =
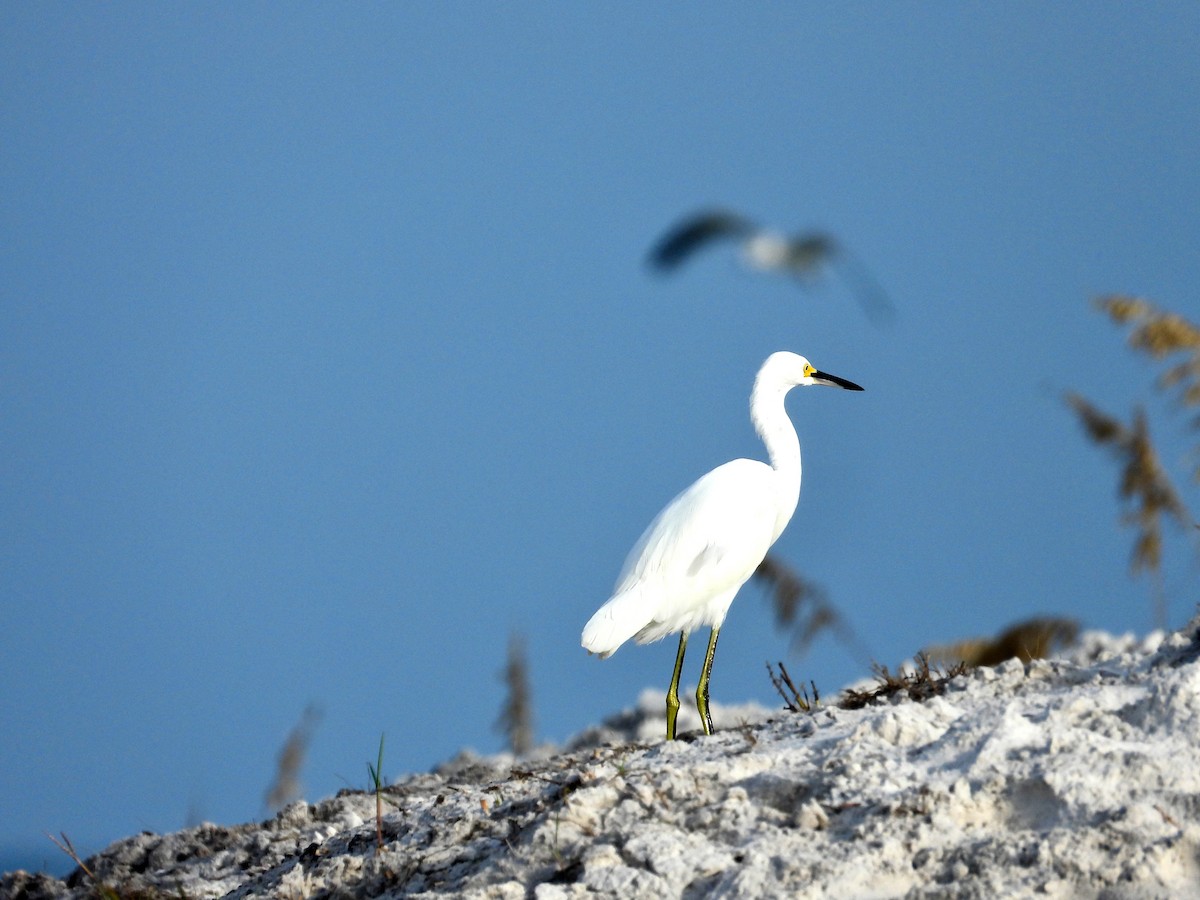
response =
{"points": [[808, 253], [870, 293], [695, 232]]}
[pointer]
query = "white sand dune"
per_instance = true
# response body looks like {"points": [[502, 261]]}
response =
{"points": [[1075, 777]]}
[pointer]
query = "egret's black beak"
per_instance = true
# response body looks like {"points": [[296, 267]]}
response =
{"points": [[826, 378]]}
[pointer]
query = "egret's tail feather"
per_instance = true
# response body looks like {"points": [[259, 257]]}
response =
{"points": [[614, 623]]}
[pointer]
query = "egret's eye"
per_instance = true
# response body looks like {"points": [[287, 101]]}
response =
{"points": [[808, 370]]}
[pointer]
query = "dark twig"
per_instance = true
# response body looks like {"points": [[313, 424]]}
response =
{"points": [[516, 717], [925, 682], [799, 700], [68, 848]]}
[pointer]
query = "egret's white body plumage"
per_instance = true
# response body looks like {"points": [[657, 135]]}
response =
{"points": [[689, 564]]}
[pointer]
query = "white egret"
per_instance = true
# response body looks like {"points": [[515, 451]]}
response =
{"points": [[802, 256], [690, 563]]}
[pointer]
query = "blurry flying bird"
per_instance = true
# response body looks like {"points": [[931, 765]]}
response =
{"points": [[706, 543], [802, 256]]}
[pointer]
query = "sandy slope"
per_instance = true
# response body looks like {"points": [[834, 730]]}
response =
{"points": [[1078, 777]]}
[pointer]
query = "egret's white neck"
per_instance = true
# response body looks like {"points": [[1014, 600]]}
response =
{"points": [[770, 418]]}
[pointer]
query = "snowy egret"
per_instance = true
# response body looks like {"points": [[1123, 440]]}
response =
{"points": [[706, 543], [801, 255]]}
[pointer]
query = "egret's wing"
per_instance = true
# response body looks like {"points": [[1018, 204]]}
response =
{"points": [[695, 232], [694, 556], [708, 540]]}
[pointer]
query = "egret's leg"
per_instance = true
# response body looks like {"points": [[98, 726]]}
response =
{"points": [[702, 690], [673, 691]]}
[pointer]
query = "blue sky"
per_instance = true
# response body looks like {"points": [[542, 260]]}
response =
{"points": [[328, 358]]}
